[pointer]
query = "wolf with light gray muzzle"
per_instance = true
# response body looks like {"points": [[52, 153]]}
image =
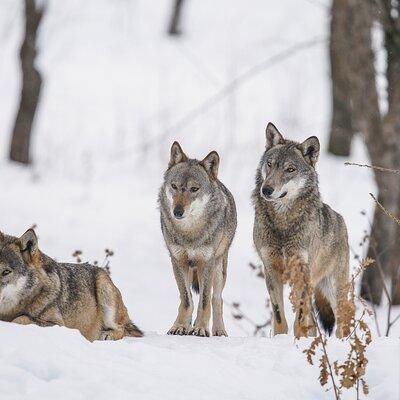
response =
{"points": [[198, 221], [35, 289], [292, 222]]}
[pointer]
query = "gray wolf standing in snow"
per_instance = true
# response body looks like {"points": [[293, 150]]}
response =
{"points": [[292, 221], [35, 289], [198, 221]]}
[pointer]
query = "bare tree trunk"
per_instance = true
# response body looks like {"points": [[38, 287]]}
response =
{"points": [[391, 25], [368, 120], [382, 140], [31, 83], [395, 270], [355, 94], [174, 28], [341, 132]]}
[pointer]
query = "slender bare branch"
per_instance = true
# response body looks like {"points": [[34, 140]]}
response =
{"points": [[388, 213], [395, 171], [395, 320], [240, 80]]}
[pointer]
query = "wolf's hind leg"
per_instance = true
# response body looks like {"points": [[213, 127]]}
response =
{"points": [[218, 328], [111, 334], [183, 321], [343, 326], [342, 286], [114, 315], [304, 325], [275, 290]]}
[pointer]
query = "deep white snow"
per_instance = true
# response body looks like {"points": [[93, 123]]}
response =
{"points": [[57, 363], [116, 93]]}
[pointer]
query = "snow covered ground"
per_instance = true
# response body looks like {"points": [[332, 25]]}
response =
{"points": [[116, 93], [56, 363]]}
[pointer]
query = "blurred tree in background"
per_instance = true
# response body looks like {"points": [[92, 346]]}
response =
{"points": [[31, 84], [356, 109], [341, 125], [174, 27]]}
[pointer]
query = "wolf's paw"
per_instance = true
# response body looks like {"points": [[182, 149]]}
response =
{"points": [[342, 332], [178, 330], [219, 332], [105, 335], [111, 334], [199, 331], [280, 329]]}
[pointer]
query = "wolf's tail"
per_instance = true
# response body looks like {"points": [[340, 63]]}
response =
{"points": [[195, 282], [325, 312], [132, 330]]}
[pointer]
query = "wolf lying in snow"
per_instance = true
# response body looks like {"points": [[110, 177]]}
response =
{"points": [[292, 221], [198, 221], [35, 289]]}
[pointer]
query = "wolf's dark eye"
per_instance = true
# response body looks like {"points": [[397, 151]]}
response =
{"points": [[6, 272], [269, 163], [290, 169], [174, 186], [194, 189]]}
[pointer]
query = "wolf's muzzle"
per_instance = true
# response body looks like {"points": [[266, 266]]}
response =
{"points": [[267, 191], [178, 212]]}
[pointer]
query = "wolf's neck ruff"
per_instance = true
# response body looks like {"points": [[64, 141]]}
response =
{"points": [[10, 295], [288, 217]]}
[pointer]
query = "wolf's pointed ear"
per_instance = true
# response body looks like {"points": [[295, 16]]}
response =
{"points": [[177, 155], [273, 136], [310, 150], [211, 164], [28, 243]]}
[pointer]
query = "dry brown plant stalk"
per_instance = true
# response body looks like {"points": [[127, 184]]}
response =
{"points": [[297, 275], [259, 328], [77, 254], [349, 373]]}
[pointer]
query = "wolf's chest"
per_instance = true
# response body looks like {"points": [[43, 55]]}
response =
{"points": [[191, 254]]}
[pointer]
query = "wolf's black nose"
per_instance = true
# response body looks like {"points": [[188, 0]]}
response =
{"points": [[267, 190], [178, 211]]}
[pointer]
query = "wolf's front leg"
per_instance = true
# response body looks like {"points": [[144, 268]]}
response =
{"points": [[218, 328], [25, 320], [340, 309], [304, 324], [205, 275], [183, 321], [275, 290]]}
